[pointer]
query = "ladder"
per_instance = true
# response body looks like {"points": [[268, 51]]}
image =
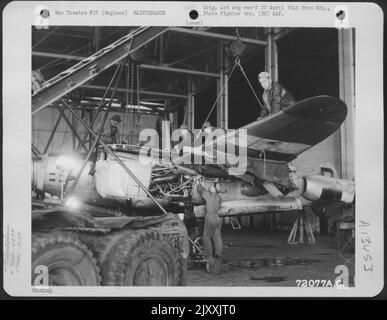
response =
{"points": [[89, 67]]}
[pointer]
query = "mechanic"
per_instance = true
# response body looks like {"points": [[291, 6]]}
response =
{"points": [[212, 234], [275, 96], [111, 138], [114, 133]]}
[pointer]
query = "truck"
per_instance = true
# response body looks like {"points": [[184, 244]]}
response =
{"points": [[103, 234]]}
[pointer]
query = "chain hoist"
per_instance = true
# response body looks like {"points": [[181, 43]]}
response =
{"points": [[138, 97], [126, 119], [131, 133], [138, 113]]}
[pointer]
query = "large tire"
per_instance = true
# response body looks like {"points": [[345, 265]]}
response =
{"points": [[68, 261], [138, 258], [174, 241]]}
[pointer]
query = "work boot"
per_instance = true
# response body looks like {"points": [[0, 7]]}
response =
{"points": [[213, 265]]}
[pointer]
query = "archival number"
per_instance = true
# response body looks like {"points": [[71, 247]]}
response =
{"points": [[340, 282], [200, 310], [366, 243], [218, 310]]}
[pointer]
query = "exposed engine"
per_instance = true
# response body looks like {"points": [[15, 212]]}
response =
{"points": [[106, 181], [53, 174]]}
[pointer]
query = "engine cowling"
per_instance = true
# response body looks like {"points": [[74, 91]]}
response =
{"points": [[321, 188], [228, 190], [53, 174]]}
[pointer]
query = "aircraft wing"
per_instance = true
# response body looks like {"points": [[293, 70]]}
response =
{"points": [[292, 131], [275, 140], [288, 133]]}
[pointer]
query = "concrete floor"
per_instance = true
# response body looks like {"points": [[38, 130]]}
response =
{"points": [[259, 259]]}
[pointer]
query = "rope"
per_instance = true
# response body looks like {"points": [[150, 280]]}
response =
{"points": [[131, 82], [138, 114], [44, 38], [263, 151], [131, 133], [138, 97], [238, 61], [124, 101], [216, 101], [248, 81], [61, 60]]}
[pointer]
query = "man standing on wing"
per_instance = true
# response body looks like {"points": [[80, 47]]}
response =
{"points": [[275, 96]]}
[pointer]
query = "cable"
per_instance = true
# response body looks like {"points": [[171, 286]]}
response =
{"points": [[217, 98], [138, 113], [132, 102], [248, 81], [126, 120], [238, 62], [44, 38], [263, 152], [52, 63]]}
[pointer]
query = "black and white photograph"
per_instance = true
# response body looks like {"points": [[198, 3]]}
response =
{"points": [[94, 89], [193, 155]]}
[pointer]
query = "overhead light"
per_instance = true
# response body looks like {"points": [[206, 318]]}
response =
{"points": [[152, 103], [138, 107]]}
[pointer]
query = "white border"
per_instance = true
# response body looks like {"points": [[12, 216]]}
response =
{"points": [[367, 18]]}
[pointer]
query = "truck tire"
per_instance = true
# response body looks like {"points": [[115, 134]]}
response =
{"points": [[66, 259], [139, 258], [174, 242]]}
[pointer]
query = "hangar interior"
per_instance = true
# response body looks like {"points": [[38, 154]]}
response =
{"points": [[189, 76]]}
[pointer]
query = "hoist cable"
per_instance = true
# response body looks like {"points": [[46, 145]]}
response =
{"points": [[138, 97], [216, 101], [248, 81], [132, 102]]}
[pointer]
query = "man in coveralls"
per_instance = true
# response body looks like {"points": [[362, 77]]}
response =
{"points": [[212, 234]]}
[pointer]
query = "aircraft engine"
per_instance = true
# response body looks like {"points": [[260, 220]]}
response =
{"points": [[54, 174], [228, 190]]}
